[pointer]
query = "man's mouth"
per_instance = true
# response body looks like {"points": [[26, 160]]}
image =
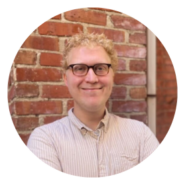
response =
{"points": [[92, 88]]}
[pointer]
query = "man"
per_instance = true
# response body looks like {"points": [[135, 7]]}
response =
{"points": [[91, 142]]}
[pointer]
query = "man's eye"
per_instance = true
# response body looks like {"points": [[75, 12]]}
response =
{"points": [[101, 68], [79, 68]]}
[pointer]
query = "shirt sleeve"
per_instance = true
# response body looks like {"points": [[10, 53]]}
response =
{"points": [[150, 143], [41, 144]]}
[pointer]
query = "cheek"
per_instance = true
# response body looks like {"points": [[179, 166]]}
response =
{"points": [[108, 84], [73, 83]]}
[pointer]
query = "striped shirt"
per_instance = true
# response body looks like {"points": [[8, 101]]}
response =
{"points": [[71, 147]]}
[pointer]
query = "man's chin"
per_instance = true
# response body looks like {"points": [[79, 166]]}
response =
{"points": [[94, 107], [90, 104]]}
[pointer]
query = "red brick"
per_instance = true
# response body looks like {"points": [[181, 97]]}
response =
{"points": [[59, 29], [115, 35], [170, 115], [137, 38], [11, 93], [171, 84], [130, 51], [38, 74], [70, 104], [26, 57], [121, 65], [12, 108], [24, 138], [162, 52], [164, 121], [50, 119], [14, 121], [159, 43], [160, 137], [42, 43], [160, 99], [142, 118], [55, 91], [165, 91], [161, 68], [58, 17], [27, 90], [127, 23], [162, 130], [166, 105], [105, 9], [161, 83], [166, 84], [119, 92], [130, 79], [10, 79], [38, 107], [138, 93], [164, 60], [166, 76], [128, 106], [91, 17], [26, 123], [138, 65], [161, 115], [169, 99], [51, 59]]}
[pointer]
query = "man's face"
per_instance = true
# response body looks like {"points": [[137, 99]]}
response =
{"points": [[90, 92]]}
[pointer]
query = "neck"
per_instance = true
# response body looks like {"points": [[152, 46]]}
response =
{"points": [[90, 118]]}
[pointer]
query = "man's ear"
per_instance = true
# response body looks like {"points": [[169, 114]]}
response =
{"points": [[65, 78]]}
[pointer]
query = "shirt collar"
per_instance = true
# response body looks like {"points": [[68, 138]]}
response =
{"points": [[83, 128]]}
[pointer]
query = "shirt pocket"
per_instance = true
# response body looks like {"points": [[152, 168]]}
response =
{"points": [[123, 161]]}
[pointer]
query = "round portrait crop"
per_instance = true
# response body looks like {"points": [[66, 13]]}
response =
{"points": [[84, 89]]}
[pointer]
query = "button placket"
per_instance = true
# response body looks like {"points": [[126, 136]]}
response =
{"points": [[101, 165]]}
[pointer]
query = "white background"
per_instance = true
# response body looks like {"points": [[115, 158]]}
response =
{"points": [[19, 18]]}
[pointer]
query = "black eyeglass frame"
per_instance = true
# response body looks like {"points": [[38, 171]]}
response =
{"points": [[88, 67]]}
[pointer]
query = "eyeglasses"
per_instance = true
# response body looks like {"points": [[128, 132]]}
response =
{"points": [[82, 69]]}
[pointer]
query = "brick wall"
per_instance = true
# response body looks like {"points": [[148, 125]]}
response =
{"points": [[37, 94], [166, 91]]}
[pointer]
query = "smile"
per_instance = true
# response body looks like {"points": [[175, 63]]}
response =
{"points": [[92, 88]]}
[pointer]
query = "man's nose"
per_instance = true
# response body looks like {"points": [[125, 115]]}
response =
{"points": [[91, 77]]}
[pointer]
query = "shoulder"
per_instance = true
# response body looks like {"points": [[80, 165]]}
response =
{"points": [[134, 129], [130, 127], [127, 123], [52, 129]]}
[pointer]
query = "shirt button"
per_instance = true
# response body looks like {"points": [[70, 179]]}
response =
{"points": [[84, 131], [96, 132]]}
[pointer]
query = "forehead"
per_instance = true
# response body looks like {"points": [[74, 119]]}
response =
{"points": [[88, 54]]}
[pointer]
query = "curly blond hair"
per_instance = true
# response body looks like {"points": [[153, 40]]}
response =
{"points": [[90, 39]]}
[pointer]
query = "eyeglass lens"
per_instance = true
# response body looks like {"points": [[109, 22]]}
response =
{"points": [[82, 69]]}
